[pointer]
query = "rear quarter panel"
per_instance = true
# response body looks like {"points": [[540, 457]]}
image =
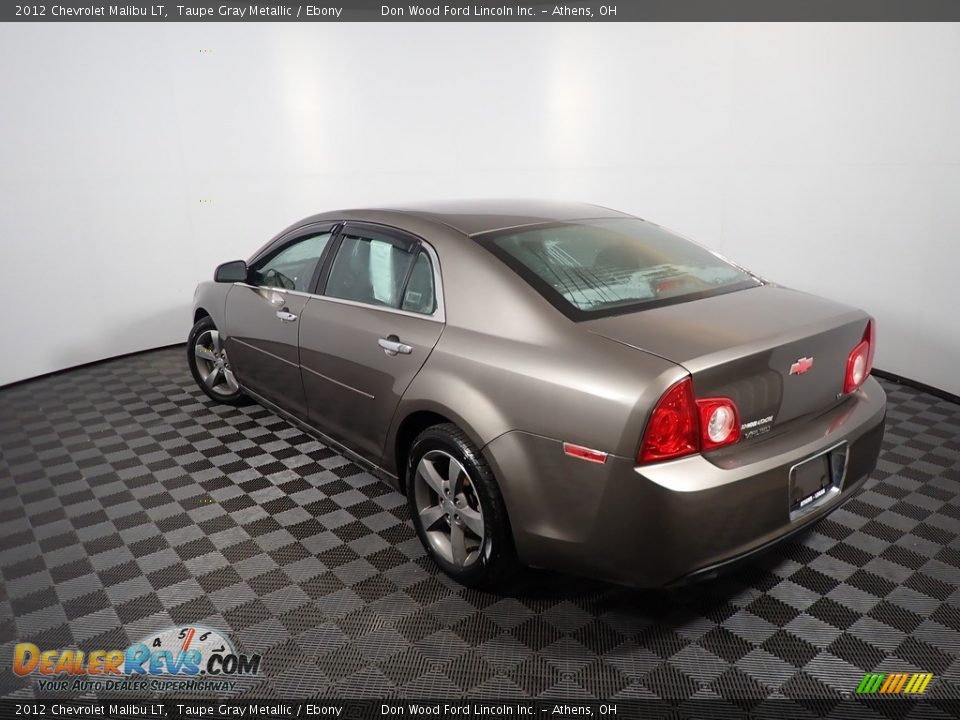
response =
{"points": [[544, 378], [507, 360], [586, 393]]}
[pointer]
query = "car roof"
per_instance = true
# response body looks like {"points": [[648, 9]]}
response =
{"points": [[473, 217]]}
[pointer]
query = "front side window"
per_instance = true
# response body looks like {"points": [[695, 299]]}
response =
{"points": [[293, 267], [601, 267], [376, 271]]}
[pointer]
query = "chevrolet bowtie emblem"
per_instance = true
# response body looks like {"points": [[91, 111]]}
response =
{"points": [[801, 366]]}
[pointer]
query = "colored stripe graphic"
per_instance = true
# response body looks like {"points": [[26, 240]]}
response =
{"points": [[894, 683], [870, 683], [918, 683], [888, 685]]}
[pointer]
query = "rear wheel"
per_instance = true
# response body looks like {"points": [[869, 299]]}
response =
{"points": [[457, 508], [210, 365]]}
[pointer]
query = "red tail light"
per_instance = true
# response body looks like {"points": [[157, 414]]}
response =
{"points": [[673, 428], [682, 425], [860, 361], [870, 335]]}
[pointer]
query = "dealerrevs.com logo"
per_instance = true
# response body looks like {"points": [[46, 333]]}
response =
{"points": [[180, 658]]}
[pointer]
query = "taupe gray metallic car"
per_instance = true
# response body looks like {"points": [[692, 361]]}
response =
{"points": [[550, 384]]}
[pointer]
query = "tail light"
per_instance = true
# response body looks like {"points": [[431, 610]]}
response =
{"points": [[860, 361], [682, 425], [673, 428], [719, 423]]}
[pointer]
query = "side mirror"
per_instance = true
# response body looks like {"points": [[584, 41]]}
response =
{"points": [[231, 272]]}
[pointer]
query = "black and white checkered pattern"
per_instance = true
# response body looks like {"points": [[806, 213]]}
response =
{"points": [[130, 503]]}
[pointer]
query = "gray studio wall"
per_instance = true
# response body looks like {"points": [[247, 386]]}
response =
{"points": [[134, 158]]}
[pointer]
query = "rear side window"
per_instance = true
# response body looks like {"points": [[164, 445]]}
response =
{"points": [[377, 271], [420, 297], [605, 267]]}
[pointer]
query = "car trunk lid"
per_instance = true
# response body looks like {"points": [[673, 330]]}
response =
{"points": [[778, 353]]}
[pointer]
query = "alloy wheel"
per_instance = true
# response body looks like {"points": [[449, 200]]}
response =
{"points": [[213, 364], [449, 508]]}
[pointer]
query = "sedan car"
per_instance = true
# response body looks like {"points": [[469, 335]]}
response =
{"points": [[551, 384]]}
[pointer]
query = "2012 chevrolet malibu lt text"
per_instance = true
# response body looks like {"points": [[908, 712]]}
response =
{"points": [[556, 385]]}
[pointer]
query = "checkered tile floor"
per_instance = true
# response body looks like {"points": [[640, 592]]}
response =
{"points": [[129, 503]]}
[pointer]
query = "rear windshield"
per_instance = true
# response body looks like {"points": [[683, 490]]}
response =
{"points": [[603, 267]]}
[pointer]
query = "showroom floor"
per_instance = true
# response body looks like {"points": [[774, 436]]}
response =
{"points": [[129, 503]]}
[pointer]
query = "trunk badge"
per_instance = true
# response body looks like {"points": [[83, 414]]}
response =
{"points": [[801, 366]]}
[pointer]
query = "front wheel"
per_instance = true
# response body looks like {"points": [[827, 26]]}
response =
{"points": [[210, 365], [457, 508]]}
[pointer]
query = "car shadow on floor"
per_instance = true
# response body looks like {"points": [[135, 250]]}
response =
{"points": [[667, 608]]}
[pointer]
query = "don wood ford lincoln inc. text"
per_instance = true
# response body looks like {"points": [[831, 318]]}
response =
{"points": [[470, 709], [451, 11]]}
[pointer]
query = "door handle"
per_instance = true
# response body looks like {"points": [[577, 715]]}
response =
{"points": [[286, 316], [391, 346]]}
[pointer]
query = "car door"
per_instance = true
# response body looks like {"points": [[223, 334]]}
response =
{"points": [[263, 317], [376, 319]]}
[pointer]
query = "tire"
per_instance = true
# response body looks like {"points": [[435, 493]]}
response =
{"points": [[442, 519], [210, 366]]}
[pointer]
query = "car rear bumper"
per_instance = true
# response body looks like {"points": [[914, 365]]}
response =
{"points": [[653, 525]]}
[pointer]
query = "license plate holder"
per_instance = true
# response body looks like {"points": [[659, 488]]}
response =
{"points": [[816, 480]]}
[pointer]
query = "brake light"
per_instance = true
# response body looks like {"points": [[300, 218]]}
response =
{"points": [[860, 361], [673, 428], [681, 424]]}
